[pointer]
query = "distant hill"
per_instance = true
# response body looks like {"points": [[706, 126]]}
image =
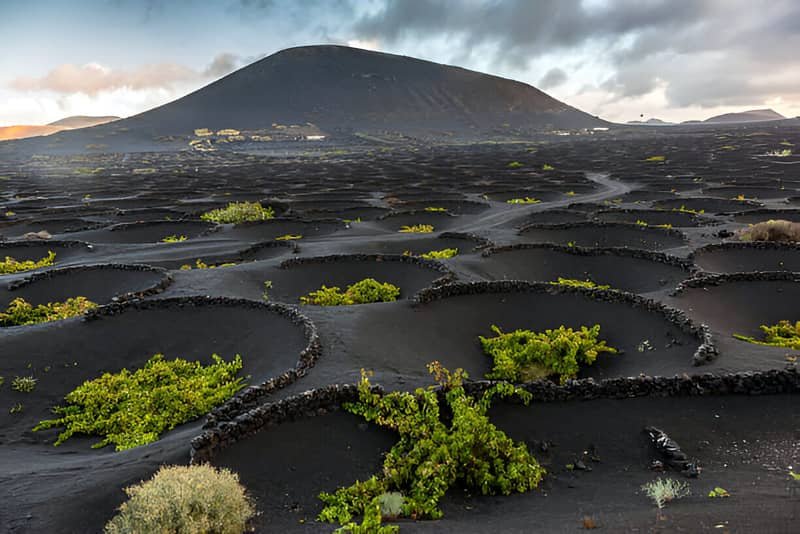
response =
{"points": [[342, 91], [753, 115], [652, 122], [23, 131]]}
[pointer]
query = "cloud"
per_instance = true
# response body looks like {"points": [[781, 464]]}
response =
{"points": [[553, 78], [93, 78]]}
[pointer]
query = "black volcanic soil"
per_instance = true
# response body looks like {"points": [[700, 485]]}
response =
{"points": [[602, 182]]}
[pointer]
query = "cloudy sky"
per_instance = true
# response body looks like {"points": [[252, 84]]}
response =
{"points": [[620, 59]]}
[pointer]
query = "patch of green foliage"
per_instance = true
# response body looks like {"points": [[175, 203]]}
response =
{"points": [[523, 355], [684, 209], [573, 282], [523, 200], [23, 384], [288, 237], [21, 313], [434, 209], [129, 409], [366, 291], [515, 165], [416, 229], [443, 254], [200, 264], [656, 158], [664, 490], [784, 334], [547, 167], [239, 212], [174, 239], [10, 265], [719, 493], [435, 453]]}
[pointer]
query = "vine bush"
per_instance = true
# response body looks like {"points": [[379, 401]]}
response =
{"points": [[523, 200], [20, 312], [443, 254], [573, 282], [129, 409], [366, 291], [523, 355], [416, 229], [10, 265], [239, 212], [434, 453], [784, 334], [174, 239]]}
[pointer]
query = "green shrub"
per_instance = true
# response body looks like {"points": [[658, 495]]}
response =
{"points": [[435, 209], [289, 237], [523, 355], [174, 239], [656, 159], [547, 167], [20, 312], [10, 265], [130, 409], [784, 334], [435, 453], [664, 490], [366, 291], [185, 499], [443, 254], [416, 229], [524, 200], [515, 165], [239, 212], [573, 282], [23, 384]]}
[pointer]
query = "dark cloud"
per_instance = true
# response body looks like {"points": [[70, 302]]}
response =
{"points": [[702, 52], [553, 78]]}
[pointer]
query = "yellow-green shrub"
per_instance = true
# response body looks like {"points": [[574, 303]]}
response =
{"points": [[416, 229], [366, 291], [783, 334], [20, 312], [239, 212], [10, 265], [185, 499]]}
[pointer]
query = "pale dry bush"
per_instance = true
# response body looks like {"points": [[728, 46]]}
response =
{"points": [[185, 500], [664, 490], [772, 230]]}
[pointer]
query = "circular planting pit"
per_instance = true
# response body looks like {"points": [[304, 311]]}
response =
{"points": [[456, 207], [276, 343], [749, 192], [739, 303], [36, 250], [447, 322], [424, 243], [299, 276], [267, 250], [148, 232], [280, 227], [554, 216], [394, 221], [148, 214], [631, 270], [99, 283], [677, 219], [757, 216], [589, 234], [748, 257], [17, 230], [366, 213], [707, 204]]}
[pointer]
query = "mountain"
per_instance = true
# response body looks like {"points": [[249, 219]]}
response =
{"points": [[83, 121], [337, 90], [652, 122], [752, 115], [22, 131]]}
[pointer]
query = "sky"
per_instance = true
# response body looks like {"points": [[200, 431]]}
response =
{"points": [[620, 59]]}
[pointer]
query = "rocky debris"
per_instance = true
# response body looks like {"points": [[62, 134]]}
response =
{"points": [[41, 235], [671, 452]]}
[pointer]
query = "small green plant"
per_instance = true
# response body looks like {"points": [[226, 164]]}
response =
{"points": [[443, 254], [10, 265], [174, 239], [23, 384], [784, 334], [570, 193], [684, 209], [365, 291], [515, 165], [664, 490], [16, 408], [200, 264], [434, 209], [641, 222], [573, 282], [239, 212], [718, 493], [129, 409], [267, 289], [656, 159], [22, 313], [391, 504], [547, 167], [664, 226], [523, 200], [784, 153], [185, 499], [434, 453], [523, 355], [416, 229], [289, 237]]}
